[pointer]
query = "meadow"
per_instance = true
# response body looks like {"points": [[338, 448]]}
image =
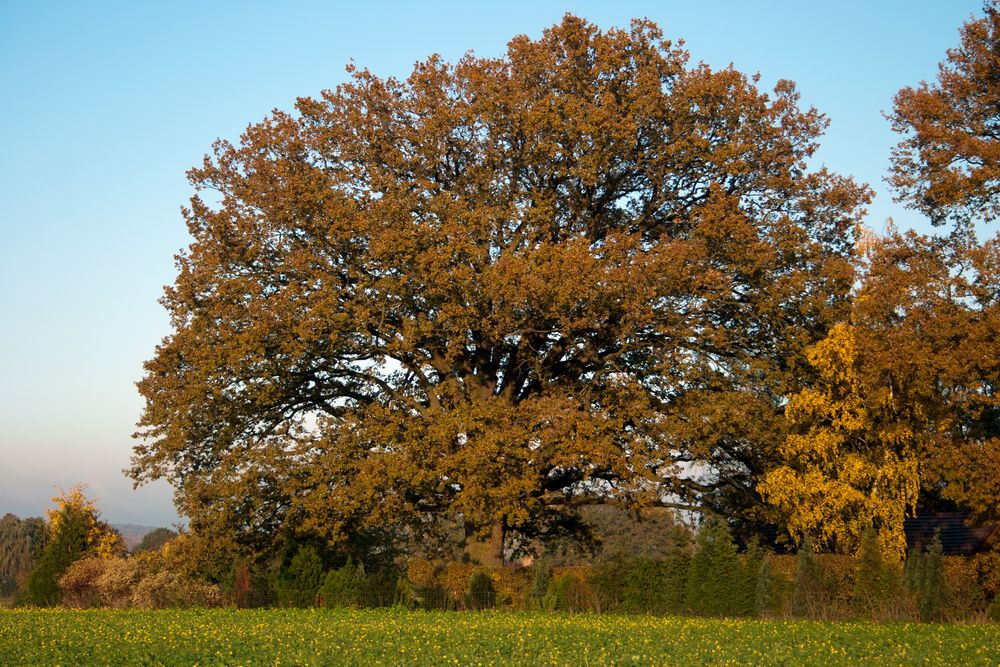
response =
{"points": [[394, 637]]}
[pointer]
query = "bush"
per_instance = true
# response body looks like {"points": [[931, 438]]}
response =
{"points": [[876, 581], [117, 583], [482, 594], [655, 586], [541, 577], [343, 587], [298, 583], [993, 611], [166, 589], [762, 588], [931, 583], [79, 585], [569, 592]]}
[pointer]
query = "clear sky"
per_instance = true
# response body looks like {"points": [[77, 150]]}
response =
{"points": [[104, 106]]}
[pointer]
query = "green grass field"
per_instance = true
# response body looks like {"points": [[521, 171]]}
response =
{"points": [[387, 637]]}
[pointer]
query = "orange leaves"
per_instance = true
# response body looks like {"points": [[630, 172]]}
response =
{"points": [[948, 164], [566, 273]]}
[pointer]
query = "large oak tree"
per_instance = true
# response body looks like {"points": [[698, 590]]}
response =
{"points": [[585, 271]]}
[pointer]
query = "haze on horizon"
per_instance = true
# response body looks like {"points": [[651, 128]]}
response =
{"points": [[106, 106]]}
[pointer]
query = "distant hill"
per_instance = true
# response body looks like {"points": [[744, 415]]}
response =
{"points": [[132, 533]]}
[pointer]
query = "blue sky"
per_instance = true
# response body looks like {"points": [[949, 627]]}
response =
{"points": [[104, 106]]}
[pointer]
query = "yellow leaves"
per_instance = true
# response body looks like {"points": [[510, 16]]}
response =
{"points": [[846, 468]]}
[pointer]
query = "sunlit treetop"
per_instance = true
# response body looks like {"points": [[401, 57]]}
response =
{"points": [[948, 164], [497, 289]]}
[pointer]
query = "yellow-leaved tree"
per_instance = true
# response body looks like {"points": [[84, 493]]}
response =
{"points": [[75, 531], [851, 465], [903, 406]]}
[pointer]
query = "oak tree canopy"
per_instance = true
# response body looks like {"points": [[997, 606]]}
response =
{"points": [[584, 271]]}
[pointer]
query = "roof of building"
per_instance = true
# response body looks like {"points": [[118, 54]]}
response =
{"points": [[957, 537]]}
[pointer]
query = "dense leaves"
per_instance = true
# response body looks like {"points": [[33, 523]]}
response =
{"points": [[948, 164], [21, 542], [585, 271], [75, 530], [905, 397]]}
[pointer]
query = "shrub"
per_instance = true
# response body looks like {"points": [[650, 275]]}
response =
{"points": [[656, 586], [406, 595], [242, 587], [541, 577], [762, 588], [343, 586], [482, 594], [569, 592], [79, 585], [117, 582], [298, 583], [876, 581], [931, 583], [993, 611], [165, 589]]}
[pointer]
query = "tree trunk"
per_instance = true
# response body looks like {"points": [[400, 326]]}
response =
{"points": [[487, 550]]}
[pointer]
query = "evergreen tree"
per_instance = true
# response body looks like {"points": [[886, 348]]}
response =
{"points": [[913, 572], [482, 594], [808, 596], [749, 573], [540, 582], [343, 586], [711, 588], [298, 583], [932, 582], [762, 594], [876, 581], [75, 530]]}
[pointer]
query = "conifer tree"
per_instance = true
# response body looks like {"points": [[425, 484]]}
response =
{"points": [[932, 582], [876, 580], [749, 573], [762, 594], [808, 597], [298, 582], [713, 584], [75, 530]]}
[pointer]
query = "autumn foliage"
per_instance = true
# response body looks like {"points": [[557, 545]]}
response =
{"points": [[497, 289], [587, 271]]}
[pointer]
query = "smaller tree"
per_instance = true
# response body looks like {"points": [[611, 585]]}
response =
{"points": [[541, 577], [21, 543], [808, 598], [751, 567], [932, 583], [762, 594], [711, 588], [342, 587], [298, 583], [876, 580], [242, 586], [75, 530], [155, 539], [482, 593]]}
